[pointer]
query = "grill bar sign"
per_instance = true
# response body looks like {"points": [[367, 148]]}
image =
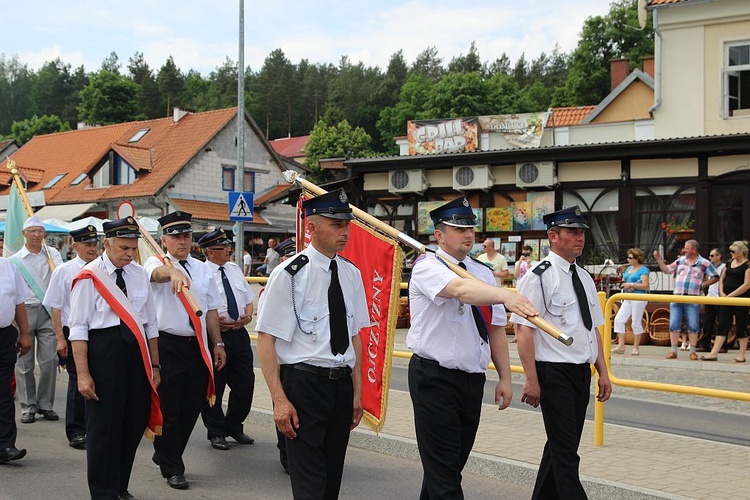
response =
{"points": [[443, 136]]}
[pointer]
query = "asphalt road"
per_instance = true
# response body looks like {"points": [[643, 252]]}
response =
{"points": [[54, 470]]}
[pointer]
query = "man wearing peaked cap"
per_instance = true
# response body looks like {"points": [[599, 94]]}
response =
{"points": [[309, 346], [57, 299], [114, 341], [558, 377], [235, 314], [446, 382], [186, 367], [287, 248], [33, 263]]}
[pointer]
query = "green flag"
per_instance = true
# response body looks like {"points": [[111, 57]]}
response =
{"points": [[15, 217]]}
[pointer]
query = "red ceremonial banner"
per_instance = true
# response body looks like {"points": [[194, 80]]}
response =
{"points": [[378, 258]]}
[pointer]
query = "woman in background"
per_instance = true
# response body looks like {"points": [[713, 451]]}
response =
{"points": [[634, 280]]}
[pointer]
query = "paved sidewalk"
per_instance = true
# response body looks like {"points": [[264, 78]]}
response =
{"points": [[633, 463]]}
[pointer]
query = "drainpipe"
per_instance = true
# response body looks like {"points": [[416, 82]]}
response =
{"points": [[657, 69]]}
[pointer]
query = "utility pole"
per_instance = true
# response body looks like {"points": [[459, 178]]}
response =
{"points": [[239, 240]]}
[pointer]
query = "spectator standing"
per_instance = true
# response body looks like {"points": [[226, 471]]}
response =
{"points": [[495, 260], [272, 256], [734, 282], [247, 262], [690, 270], [711, 311], [635, 280], [524, 263]]}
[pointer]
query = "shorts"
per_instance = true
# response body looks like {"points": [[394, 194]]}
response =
{"points": [[692, 313]]}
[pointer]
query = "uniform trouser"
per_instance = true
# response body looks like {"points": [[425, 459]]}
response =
{"points": [[447, 406], [184, 379], [75, 405], [116, 422], [8, 431], [565, 391], [240, 376], [316, 456], [32, 397]]}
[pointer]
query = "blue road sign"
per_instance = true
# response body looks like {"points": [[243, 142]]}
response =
{"points": [[240, 206]]}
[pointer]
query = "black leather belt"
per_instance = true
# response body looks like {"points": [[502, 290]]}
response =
{"points": [[426, 361], [336, 373], [180, 338]]}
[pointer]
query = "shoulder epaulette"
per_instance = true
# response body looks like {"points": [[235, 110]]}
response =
{"points": [[486, 264], [298, 263], [543, 266]]}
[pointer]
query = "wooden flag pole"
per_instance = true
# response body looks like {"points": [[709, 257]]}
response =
{"points": [[292, 177]]}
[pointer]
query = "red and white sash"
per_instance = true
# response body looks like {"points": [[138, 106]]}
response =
{"points": [[122, 306]]}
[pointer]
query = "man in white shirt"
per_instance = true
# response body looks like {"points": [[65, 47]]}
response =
{"points": [[456, 329], [235, 313], [186, 362], [36, 265], [247, 263], [114, 339], [57, 298], [495, 260]]}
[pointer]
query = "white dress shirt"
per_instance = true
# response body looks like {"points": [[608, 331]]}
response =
{"points": [[89, 311], [240, 288], [39, 263], [13, 291], [58, 291], [558, 305], [171, 315], [443, 329], [305, 337]]}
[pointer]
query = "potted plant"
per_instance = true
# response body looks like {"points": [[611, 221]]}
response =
{"points": [[682, 231]]}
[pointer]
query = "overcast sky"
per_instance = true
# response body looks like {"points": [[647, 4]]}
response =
{"points": [[201, 34]]}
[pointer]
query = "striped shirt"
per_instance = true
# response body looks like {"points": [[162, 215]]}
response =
{"points": [[689, 276]]}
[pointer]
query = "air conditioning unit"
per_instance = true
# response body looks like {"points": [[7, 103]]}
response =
{"points": [[535, 174], [472, 177], [407, 181]]}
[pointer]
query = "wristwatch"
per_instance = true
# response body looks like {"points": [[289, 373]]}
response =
{"points": [[219, 344]]}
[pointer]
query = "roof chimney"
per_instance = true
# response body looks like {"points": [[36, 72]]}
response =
{"points": [[648, 66], [619, 70], [179, 113]]}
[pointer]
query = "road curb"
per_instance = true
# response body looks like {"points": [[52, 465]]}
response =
{"points": [[481, 464]]}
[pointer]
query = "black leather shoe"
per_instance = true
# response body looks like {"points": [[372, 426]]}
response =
{"points": [[11, 453], [178, 482], [28, 418], [126, 496], [78, 442], [49, 415], [219, 443], [242, 438], [155, 459]]}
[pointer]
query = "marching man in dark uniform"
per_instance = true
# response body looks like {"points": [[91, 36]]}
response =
{"points": [[235, 312], [13, 343], [57, 299], [557, 376], [452, 340], [114, 340], [186, 363], [312, 311]]}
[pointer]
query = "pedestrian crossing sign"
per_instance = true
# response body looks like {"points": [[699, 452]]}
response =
{"points": [[240, 206]]}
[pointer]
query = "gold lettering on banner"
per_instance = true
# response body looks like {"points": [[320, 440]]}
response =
{"points": [[376, 320]]}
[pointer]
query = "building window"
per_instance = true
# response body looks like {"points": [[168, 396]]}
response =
{"points": [[53, 181], [139, 135], [124, 173], [102, 177], [227, 178], [659, 204], [736, 80], [248, 182], [79, 179]]}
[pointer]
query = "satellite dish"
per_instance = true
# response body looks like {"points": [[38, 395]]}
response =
{"points": [[642, 13]]}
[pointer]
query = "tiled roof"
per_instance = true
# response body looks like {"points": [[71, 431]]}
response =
{"points": [[30, 174], [157, 156], [291, 147], [207, 210], [665, 2], [272, 194], [563, 117]]}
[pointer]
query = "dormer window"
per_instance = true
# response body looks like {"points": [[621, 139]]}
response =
{"points": [[54, 181], [79, 179], [736, 81], [139, 135]]}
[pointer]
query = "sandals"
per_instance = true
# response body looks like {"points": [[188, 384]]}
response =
{"points": [[706, 358], [635, 352], [618, 350], [736, 360]]}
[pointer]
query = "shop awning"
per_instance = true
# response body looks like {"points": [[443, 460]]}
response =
{"points": [[63, 212]]}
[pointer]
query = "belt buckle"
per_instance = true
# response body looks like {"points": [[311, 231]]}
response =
{"points": [[333, 373]]}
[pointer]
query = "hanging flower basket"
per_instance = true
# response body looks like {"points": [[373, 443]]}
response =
{"points": [[684, 235], [681, 231]]}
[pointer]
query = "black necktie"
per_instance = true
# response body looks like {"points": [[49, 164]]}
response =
{"points": [[583, 302], [231, 301], [183, 263], [125, 333], [481, 327], [337, 313]]}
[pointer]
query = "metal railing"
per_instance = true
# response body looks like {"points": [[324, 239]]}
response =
{"points": [[606, 337]]}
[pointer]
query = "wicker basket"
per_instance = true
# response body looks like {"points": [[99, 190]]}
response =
{"points": [[658, 331]]}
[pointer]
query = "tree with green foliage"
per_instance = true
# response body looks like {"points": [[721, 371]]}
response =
{"points": [[335, 141], [149, 98], [458, 94], [111, 63], [604, 38], [109, 98], [171, 83], [55, 91], [410, 106], [469, 63], [428, 64], [24, 130], [15, 92]]}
